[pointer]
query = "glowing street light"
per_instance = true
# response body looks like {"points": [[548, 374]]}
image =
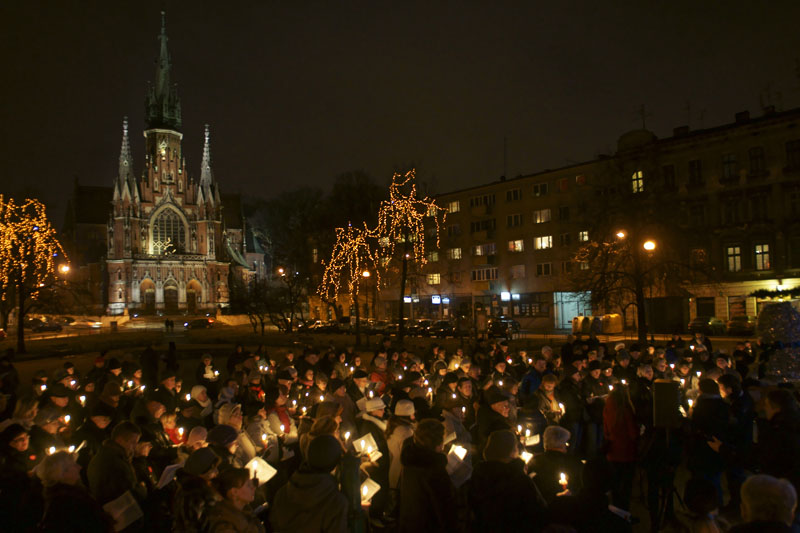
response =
{"points": [[620, 234], [366, 274], [649, 245], [281, 271], [64, 269]]}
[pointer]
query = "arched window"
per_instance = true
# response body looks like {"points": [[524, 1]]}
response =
{"points": [[169, 235]]}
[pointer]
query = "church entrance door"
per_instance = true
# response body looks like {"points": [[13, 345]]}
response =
{"points": [[171, 300], [191, 302], [150, 301]]}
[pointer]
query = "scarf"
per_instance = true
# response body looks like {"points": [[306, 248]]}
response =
{"points": [[283, 414], [377, 421]]}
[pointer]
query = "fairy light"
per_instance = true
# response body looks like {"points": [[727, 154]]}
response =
{"points": [[29, 247], [352, 255]]}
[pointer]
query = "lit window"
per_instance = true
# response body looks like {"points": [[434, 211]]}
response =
{"points": [[433, 256], [516, 246], [485, 249], [540, 216], [543, 243], [434, 279], [583, 265], [543, 269], [637, 182], [454, 206], [454, 253], [733, 255], [583, 236], [432, 211], [169, 234], [762, 256]]}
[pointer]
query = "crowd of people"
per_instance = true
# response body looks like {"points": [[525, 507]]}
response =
{"points": [[485, 439]]}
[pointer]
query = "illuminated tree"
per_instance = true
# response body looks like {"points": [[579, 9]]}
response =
{"points": [[402, 220], [351, 256], [29, 251]]}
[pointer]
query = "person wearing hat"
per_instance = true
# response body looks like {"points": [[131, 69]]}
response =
{"points": [[278, 416], [113, 373], [45, 431], [533, 379], [553, 462], [166, 393], [58, 396], [425, 474], [222, 439], [371, 422], [231, 415], [438, 372], [501, 495], [453, 416], [380, 377], [98, 370], [359, 386], [594, 390], [399, 428], [94, 431], [260, 432], [492, 414], [16, 458], [195, 494], [446, 391], [311, 500], [571, 396]]}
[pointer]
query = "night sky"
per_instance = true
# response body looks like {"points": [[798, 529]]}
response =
{"points": [[297, 92]]}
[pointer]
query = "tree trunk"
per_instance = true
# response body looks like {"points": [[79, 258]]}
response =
{"points": [[401, 329], [641, 310], [358, 321], [20, 318]]}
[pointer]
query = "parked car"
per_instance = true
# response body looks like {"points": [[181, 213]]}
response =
{"points": [[742, 325], [329, 326], [502, 327], [374, 327], [46, 326], [442, 328], [64, 320], [199, 323], [31, 323], [710, 325], [419, 328], [86, 324]]}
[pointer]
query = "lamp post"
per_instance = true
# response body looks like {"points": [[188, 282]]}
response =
{"points": [[639, 272], [366, 274]]}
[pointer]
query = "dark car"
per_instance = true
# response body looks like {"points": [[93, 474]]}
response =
{"points": [[31, 323], [710, 325], [46, 326], [503, 327], [419, 328], [199, 323], [442, 328], [742, 325]]}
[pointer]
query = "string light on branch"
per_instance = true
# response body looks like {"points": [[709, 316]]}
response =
{"points": [[352, 255], [29, 246]]}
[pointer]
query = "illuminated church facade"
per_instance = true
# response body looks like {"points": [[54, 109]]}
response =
{"points": [[172, 240]]}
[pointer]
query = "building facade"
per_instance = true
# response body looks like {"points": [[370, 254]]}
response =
{"points": [[170, 240], [727, 196]]}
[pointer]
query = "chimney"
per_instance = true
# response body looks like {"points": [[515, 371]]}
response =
{"points": [[742, 116]]}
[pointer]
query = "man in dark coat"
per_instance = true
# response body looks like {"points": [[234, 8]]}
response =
{"points": [[556, 470], [165, 393], [740, 430], [501, 494], [111, 472], [778, 450], [427, 498], [709, 422], [570, 394], [492, 415], [94, 433]]}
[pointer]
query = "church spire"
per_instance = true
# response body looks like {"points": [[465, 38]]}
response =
{"points": [[206, 174], [125, 159], [162, 105]]}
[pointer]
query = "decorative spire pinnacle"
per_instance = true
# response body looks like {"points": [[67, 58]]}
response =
{"points": [[162, 105], [206, 174], [125, 178]]}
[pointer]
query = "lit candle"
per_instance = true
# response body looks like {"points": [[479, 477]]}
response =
{"points": [[82, 399], [43, 387], [500, 383], [527, 432], [51, 450], [562, 480], [180, 432], [454, 395], [321, 398], [463, 410], [294, 403], [698, 373], [672, 366], [364, 491], [130, 384], [561, 406], [610, 388], [400, 376], [683, 382], [283, 429], [690, 402], [519, 428], [72, 383], [304, 410], [691, 347], [141, 388], [371, 394], [67, 419], [216, 373], [425, 382], [509, 360], [71, 449], [346, 436], [456, 366], [624, 382], [526, 456], [188, 397]]}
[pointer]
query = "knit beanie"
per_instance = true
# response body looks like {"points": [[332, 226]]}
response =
{"points": [[500, 445], [324, 453]]}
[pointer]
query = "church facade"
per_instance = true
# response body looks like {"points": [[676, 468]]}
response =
{"points": [[172, 240]]}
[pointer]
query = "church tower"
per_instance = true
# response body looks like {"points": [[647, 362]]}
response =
{"points": [[165, 234]]}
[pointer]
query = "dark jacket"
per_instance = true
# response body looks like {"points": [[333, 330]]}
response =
{"points": [[310, 501], [71, 509], [427, 499], [761, 527], [111, 474], [571, 396], [778, 452], [502, 498], [549, 466], [193, 500], [709, 419], [489, 421]]}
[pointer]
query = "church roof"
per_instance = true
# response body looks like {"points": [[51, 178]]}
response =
{"points": [[92, 204]]}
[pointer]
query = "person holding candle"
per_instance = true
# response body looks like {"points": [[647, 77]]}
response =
{"points": [[399, 428], [492, 415], [709, 419], [555, 461], [278, 415], [501, 495], [574, 412], [370, 421]]}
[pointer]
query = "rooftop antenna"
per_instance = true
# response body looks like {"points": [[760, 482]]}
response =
{"points": [[644, 115]]}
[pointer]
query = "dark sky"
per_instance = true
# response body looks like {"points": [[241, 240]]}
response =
{"points": [[297, 92]]}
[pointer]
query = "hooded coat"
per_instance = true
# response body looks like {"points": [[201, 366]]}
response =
{"points": [[502, 497], [111, 473], [427, 500], [310, 501]]}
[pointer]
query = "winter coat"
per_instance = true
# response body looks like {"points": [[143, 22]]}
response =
{"points": [[225, 518], [111, 474], [595, 390], [709, 419], [427, 499], [453, 424], [549, 408], [193, 501], [395, 443], [71, 509], [489, 421], [621, 433], [503, 497], [310, 501], [549, 466], [778, 451], [570, 395]]}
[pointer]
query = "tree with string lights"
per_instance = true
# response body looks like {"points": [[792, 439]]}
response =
{"points": [[352, 256], [402, 220], [29, 251]]}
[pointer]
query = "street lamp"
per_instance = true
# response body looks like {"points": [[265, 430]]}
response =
{"points": [[620, 234], [64, 269], [281, 271], [649, 245]]}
